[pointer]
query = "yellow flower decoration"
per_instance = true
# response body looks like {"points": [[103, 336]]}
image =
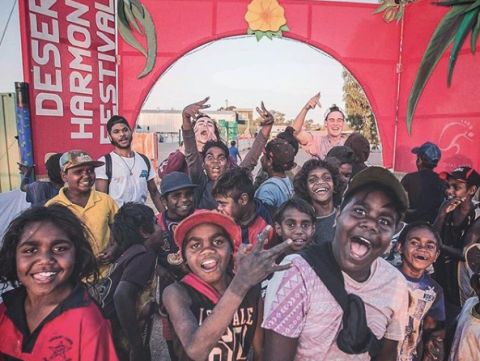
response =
{"points": [[266, 17]]}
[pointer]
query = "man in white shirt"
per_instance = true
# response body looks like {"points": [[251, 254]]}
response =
{"points": [[128, 175]]}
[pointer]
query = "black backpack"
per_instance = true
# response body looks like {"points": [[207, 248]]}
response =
{"points": [[108, 167], [355, 336]]}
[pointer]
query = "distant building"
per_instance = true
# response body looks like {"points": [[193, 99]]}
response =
{"points": [[168, 123]]}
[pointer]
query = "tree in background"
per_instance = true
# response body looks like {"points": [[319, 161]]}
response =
{"points": [[358, 111]]}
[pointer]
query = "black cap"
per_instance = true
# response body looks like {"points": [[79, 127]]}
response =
{"points": [[381, 176], [175, 181]]}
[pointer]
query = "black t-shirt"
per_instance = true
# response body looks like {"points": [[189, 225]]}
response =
{"points": [[237, 339], [426, 193], [446, 266], [136, 265]]}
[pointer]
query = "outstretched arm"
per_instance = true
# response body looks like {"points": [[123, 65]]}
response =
{"points": [[27, 172], [198, 341], [258, 145], [155, 195], [192, 156], [302, 136]]}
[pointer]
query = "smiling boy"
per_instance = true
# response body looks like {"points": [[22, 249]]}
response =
{"points": [[418, 243], [305, 319], [234, 194], [454, 219], [213, 310], [94, 208], [206, 166]]}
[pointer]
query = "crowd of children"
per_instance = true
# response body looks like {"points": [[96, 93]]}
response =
{"points": [[289, 267]]}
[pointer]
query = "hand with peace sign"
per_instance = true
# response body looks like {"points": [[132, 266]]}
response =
{"points": [[254, 264], [192, 110], [267, 117]]}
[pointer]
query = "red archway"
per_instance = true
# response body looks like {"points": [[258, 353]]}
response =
{"points": [[384, 58]]}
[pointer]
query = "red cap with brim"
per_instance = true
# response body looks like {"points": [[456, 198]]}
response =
{"points": [[204, 216]]}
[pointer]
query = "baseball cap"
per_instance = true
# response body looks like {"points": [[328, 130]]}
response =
{"points": [[465, 174], [381, 176], [76, 158], [281, 153], [204, 216], [429, 152], [175, 181]]}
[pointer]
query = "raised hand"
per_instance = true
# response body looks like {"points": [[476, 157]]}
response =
{"points": [[449, 205], [192, 110], [255, 263], [25, 169], [313, 102], [267, 117]]}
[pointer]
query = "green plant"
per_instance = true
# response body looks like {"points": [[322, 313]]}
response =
{"points": [[463, 18], [133, 16]]}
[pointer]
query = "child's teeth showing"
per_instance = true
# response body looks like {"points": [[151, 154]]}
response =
{"points": [[209, 265], [359, 246], [44, 276]]}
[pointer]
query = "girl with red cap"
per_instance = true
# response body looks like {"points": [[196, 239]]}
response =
{"points": [[214, 310]]}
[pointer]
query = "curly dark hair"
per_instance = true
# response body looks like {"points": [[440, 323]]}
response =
{"points": [[130, 221], [300, 180], [297, 203], [203, 115], [114, 120], [287, 134], [85, 267], [233, 183], [53, 168], [414, 225], [215, 143]]}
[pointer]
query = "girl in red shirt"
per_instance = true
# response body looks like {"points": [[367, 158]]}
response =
{"points": [[49, 315]]}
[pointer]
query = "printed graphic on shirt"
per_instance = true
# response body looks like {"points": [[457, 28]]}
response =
{"points": [[230, 347], [422, 296], [59, 347]]}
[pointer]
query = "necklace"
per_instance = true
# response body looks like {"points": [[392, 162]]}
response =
{"points": [[130, 169]]}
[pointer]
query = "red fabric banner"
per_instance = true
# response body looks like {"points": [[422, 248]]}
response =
{"points": [[69, 60]]}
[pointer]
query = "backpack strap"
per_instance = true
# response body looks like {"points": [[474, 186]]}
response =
{"points": [[355, 337], [147, 162], [108, 170]]}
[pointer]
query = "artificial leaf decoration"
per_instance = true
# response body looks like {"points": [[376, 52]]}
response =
{"points": [[134, 17], [392, 9], [463, 18], [266, 18]]}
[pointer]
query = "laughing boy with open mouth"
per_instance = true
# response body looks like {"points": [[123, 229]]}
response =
{"points": [[306, 322]]}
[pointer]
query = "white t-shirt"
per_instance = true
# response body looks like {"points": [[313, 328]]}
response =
{"points": [[300, 306], [466, 342], [126, 187]]}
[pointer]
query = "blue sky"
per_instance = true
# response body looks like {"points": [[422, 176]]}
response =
{"points": [[10, 48], [282, 72]]}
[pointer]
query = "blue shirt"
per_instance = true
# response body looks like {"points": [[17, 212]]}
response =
{"points": [[426, 299]]}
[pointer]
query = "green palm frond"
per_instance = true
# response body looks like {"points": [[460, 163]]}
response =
{"points": [[455, 26], [467, 24], [133, 16]]}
